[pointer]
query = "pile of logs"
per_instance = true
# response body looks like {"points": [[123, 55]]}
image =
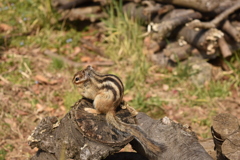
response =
{"points": [[179, 28]]}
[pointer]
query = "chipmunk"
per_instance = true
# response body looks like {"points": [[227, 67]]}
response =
{"points": [[106, 91]]}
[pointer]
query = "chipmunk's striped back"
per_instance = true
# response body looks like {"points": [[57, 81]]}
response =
{"points": [[108, 82]]}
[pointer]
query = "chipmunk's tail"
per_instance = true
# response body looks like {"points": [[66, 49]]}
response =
{"points": [[136, 132]]}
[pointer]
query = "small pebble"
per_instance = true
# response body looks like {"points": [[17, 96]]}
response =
{"points": [[69, 40]]}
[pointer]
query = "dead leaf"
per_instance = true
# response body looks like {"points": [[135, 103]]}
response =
{"points": [[40, 108], [5, 27], [48, 109], [148, 95], [41, 79], [52, 82], [35, 89], [21, 113], [165, 87], [63, 108], [12, 123], [88, 38], [86, 59], [76, 50], [54, 50], [20, 93]]}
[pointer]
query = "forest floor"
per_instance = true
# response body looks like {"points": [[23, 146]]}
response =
{"points": [[33, 84]]}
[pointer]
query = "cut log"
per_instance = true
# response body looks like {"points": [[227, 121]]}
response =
{"points": [[204, 40], [80, 135], [136, 12], [226, 135], [91, 13], [171, 21]]}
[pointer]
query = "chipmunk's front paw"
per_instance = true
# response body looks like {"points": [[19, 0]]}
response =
{"points": [[91, 110]]}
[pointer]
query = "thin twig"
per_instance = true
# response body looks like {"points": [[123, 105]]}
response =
{"points": [[4, 80], [88, 45]]}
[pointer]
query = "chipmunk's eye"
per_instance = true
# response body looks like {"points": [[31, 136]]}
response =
{"points": [[77, 79]]}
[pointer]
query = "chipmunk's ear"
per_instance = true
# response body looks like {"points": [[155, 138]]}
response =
{"points": [[90, 67]]}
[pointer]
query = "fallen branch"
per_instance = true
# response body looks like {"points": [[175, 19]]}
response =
{"points": [[88, 45], [201, 5], [137, 12], [72, 4], [216, 21], [165, 9], [75, 64], [231, 30], [171, 21], [91, 13]]}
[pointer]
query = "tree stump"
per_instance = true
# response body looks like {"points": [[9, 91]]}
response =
{"points": [[226, 136], [80, 135]]}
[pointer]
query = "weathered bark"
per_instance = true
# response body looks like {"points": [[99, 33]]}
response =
{"points": [[136, 12], [225, 50], [160, 59], [72, 4], [177, 52], [69, 4], [201, 5], [91, 13], [231, 30], [223, 5], [173, 19], [216, 21], [80, 135]]}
